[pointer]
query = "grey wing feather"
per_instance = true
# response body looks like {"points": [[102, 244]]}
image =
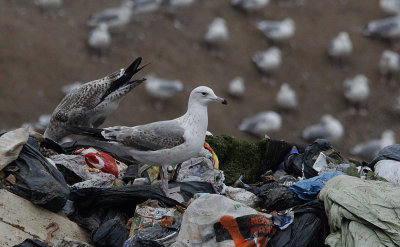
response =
{"points": [[154, 136]]}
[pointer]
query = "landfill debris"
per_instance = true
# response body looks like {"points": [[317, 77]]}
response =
{"points": [[32, 243], [358, 208], [309, 188], [149, 214], [110, 234], [214, 220], [388, 169], [20, 220], [242, 196], [102, 161], [36, 179], [283, 219], [78, 174], [11, 144], [278, 197], [309, 227], [69, 242], [200, 169]]}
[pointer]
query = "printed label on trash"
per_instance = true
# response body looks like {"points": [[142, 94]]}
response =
{"points": [[146, 216], [249, 230]]}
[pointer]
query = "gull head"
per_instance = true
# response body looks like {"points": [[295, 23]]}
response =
{"points": [[204, 95]]}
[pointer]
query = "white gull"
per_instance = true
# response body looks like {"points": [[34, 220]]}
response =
{"points": [[116, 17], [389, 63], [329, 128], [262, 123], [390, 6], [236, 87], [99, 38], [269, 60], [250, 5], [368, 150], [387, 28], [166, 142], [91, 103], [162, 88], [356, 90], [277, 30], [217, 31], [286, 97], [341, 46]]}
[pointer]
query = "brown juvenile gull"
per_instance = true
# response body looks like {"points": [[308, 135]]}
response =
{"points": [[164, 143], [91, 103]]}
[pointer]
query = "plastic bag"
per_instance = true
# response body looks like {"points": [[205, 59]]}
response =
{"points": [[37, 180], [32, 243], [278, 197], [389, 169], [309, 228], [110, 234]]}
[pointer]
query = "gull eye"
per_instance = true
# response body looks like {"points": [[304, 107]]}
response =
{"points": [[204, 93]]}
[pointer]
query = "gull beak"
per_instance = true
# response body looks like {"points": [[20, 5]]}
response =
{"points": [[222, 100]]}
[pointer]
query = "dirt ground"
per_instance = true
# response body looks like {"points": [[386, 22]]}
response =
{"points": [[41, 51]]}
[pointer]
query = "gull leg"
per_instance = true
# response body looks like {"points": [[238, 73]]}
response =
{"points": [[164, 179]]}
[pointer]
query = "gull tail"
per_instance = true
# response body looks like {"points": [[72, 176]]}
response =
{"points": [[86, 131], [132, 69]]}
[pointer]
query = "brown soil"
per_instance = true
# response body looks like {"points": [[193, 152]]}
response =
{"points": [[41, 51]]}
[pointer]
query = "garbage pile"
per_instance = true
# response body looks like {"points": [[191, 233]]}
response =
{"points": [[236, 193]]}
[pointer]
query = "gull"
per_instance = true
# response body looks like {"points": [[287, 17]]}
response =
{"points": [[116, 17], [217, 32], [99, 38], [286, 97], [389, 64], [269, 60], [368, 150], [277, 30], [262, 123], [90, 104], [250, 5], [166, 142], [341, 46], [356, 90], [329, 128], [174, 3], [48, 3], [162, 88], [145, 6], [387, 28], [236, 87], [390, 6]]}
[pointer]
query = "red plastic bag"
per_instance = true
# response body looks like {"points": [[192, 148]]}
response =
{"points": [[99, 160]]}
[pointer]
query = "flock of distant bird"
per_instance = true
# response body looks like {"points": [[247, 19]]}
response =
{"points": [[356, 89]]}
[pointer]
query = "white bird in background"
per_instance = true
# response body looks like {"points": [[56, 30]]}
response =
{"points": [[162, 89], [236, 87], [341, 46], [286, 97], [262, 123], [389, 64], [390, 6], [48, 3], [99, 38], [117, 17], [269, 60], [250, 5], [145, 6], [387, 28], [329, 128], [175, 3], [217, 31], [277, 30], [356, 90], [368, 150]]}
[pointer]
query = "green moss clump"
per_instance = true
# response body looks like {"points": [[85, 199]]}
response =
{"points": [[238, 157]]}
